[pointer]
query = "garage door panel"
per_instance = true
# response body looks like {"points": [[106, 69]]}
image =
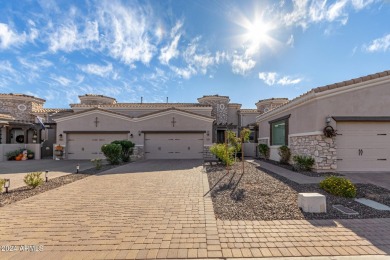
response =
{"points": [[363, 146], [174, 146], [88, 146]]}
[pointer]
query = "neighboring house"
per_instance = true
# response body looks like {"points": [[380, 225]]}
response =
{"points": [[358, 109], [159, 130]]}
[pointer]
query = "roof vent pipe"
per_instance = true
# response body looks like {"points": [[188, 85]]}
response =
{"points": [[167, 100], [141, 99]]}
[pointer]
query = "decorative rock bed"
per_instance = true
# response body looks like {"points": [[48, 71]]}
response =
{"points": [[263, 195]]}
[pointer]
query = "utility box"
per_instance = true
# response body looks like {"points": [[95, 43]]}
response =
{"points": [[312, 202]]}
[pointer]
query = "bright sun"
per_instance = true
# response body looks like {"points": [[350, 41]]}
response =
{"points": [[257, 32]]}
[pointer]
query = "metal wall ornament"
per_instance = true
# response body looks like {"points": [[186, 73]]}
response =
{"points": [[329, 131]]}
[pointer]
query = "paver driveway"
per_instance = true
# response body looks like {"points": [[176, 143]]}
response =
{"points": [[156, 209]]}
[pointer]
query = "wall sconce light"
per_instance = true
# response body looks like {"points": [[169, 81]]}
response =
{"points": [[207, 133], [131, 135], [139, 133], [7, 184], [60, 135], [46, 175], [327, 120]]}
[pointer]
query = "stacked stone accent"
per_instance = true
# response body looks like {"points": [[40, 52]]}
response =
{"points": [[207, 154], [219, 106], [138, 153], [16, 109], [263, 141], [321, 148]]}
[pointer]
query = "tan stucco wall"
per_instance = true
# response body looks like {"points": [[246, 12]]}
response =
{"points": [[232, 115], [157, 123], [247, 119], [310, 117]]}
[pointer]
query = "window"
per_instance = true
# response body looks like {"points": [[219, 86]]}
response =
{"points": [[279, 131]]}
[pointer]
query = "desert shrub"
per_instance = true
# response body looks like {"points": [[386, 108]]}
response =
{"points": [[339, 186], [33, 179], [303, 163], [219, 150], [264, 150], [2, 181], [97, 162], [284, 153], [127, 149], [112, 152]]}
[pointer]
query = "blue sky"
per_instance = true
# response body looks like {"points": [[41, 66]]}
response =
{"points": [[248, 50]]}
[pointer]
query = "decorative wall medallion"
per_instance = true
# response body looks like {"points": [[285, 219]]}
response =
{"points": [[22, 107]]}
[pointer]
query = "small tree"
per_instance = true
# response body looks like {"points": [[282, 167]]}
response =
{"points": [[234, 141], [226, 156], [127, 149], [112, 152], [244, 137]]}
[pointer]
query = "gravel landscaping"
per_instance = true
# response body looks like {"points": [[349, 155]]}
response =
{"points": [[263, 195], [26, 192]]}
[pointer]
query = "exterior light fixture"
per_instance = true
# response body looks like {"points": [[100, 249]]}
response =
{"points": [[139, 133], [46, 175], [131, 135], [60, 135], [207, 133], [328, 119], [7, 184], [77, 168]]}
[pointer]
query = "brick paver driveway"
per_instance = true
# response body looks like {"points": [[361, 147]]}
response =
{"points": [[156, 209]]}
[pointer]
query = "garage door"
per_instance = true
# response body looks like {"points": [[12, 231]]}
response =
{"points": [[88, 146], [174, 145], [363, 146]]}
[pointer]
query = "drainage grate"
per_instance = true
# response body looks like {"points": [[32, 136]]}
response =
{"points": [[345, 210]]}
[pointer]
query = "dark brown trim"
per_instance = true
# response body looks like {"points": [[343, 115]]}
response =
{"points": [[362, 118], [280, 119], [96, 132], [170, 132]]}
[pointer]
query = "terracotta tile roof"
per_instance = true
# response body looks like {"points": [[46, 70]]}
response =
{"points": [[51, 110], [22, 95], [96, 95], [143, 105], [245, 110], [215, 96], [173, 108], [270, 99], [334, 86], [6, 116], [92, 109]]}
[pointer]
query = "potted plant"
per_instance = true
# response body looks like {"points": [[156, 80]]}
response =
{"points": [[59, 150]]}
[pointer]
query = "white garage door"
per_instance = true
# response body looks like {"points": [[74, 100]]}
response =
{"points": [[174, 145], [88, 146], [363, 146]]}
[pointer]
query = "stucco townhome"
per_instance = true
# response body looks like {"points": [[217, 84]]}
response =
{"points": [[357, 109], [159, 130]]}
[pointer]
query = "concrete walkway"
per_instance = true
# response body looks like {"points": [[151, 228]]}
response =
{"points": [[157, 209], [293, 176]]}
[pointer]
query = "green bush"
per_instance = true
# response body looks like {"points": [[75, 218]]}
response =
{"points": [[339, 186], [127, 149], [219, 150], [303, 163], [284, 153], [264, 150], [2, 181], [33, 179], [112, 152], [97, 162]]}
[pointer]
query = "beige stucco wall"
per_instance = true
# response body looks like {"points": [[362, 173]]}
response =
{"points": [[310, 117], [247, 119], [111, 122]]}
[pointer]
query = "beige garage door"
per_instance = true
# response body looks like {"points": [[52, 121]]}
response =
{"points": [[363, 146], [174, 145], [88, 146]]}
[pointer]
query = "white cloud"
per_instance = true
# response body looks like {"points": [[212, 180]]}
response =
{"points": [[242, 64], [102, 71], [184, 73], [377, 45], [360, 4], [170, 51], [61, 80], [9, 38], [35, 65], [272, 78], [290, 41], [269, 78]]}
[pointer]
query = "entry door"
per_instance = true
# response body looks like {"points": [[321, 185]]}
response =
{"points": [[363, 146]]}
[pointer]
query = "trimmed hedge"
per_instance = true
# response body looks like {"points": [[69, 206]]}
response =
{"points": [[339, 186]]}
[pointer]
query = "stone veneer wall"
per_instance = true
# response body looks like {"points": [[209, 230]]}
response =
{"points": [[322, 149], [219, 109], [207, 154], [11, 106], [138, 153]]}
